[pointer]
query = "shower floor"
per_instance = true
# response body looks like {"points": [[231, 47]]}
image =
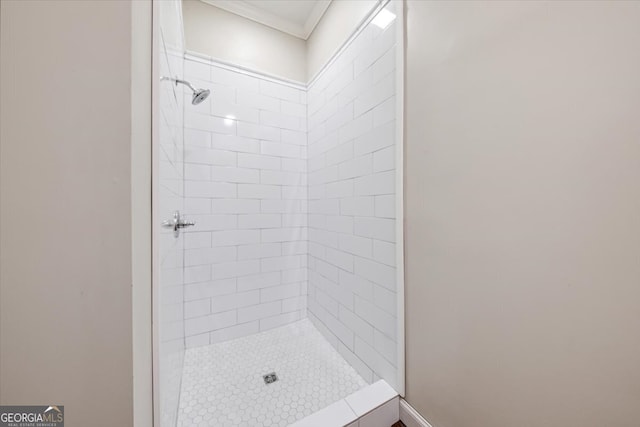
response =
{"points": [[223, 385]]}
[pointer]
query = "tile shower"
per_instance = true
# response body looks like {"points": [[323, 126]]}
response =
{"points": [[291, 265], [246, 188]]}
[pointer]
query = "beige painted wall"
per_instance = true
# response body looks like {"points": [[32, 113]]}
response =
{"points": [[65, 209], [337, 24], [522, 213], [223, 35]]}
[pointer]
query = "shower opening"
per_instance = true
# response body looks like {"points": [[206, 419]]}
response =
{"points": [[278, 233]]}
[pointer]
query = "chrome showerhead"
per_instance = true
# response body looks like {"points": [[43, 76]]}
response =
{"points": [[199, 95]]}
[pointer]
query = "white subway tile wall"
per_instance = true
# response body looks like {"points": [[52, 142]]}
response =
{"points": [[246, 188], [351, 180], [170, 195]]}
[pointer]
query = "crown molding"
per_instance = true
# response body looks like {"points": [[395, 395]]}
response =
{"points": [[247, 10], [315, 16]]}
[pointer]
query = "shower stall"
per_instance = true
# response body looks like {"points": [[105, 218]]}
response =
{"points": [[278, 286]]}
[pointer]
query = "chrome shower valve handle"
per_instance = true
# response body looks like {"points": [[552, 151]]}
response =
{"points": [[176, 223], [185, 224]]}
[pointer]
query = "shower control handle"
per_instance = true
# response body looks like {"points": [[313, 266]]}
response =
{"points": [[176, 223], [185, 224]]}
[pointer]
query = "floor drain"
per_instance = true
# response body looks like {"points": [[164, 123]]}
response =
{"points": [[270, 378]]}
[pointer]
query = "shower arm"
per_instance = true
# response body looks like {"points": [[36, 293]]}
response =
{"points": [[177, 80]]}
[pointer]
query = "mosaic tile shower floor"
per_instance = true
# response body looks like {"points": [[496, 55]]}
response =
{"points": [[223, 385]]}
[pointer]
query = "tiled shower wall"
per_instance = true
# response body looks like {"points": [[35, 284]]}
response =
{"points": [[351, 166], [293, 198], [169, 196], [245, 170]]}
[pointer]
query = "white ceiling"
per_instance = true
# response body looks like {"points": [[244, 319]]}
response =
{"points": [[295, 17]]}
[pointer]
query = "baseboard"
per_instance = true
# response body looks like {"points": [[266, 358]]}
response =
{"points": [[410, 417]]}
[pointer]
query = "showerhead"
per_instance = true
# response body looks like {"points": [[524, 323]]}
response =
{"points": [[199, 95]]}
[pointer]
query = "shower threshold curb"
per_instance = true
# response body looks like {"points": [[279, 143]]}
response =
{"points": [[377, 401]]}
